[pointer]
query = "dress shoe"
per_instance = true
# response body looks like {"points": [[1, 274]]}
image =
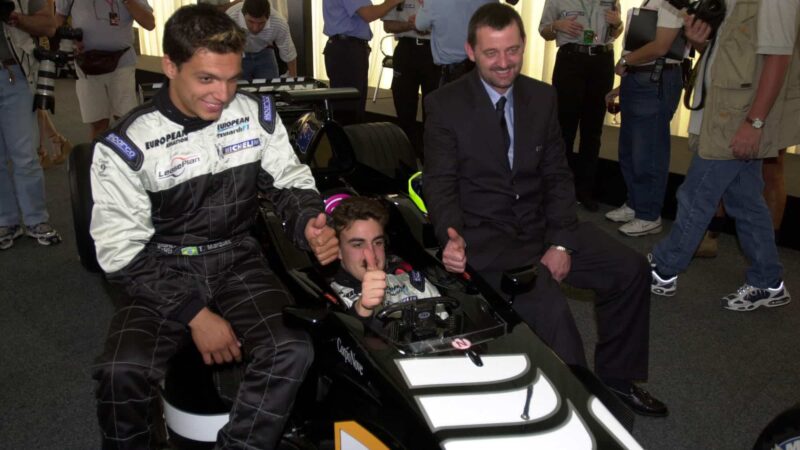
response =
{"points": [[641, 402], [585, 199]]}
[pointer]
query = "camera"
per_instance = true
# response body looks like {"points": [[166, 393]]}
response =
{"points": [[6, 8], [711, 12], [67, 32], [45, 82]]}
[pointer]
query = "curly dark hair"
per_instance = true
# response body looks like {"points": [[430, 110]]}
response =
{"points": [[200, 26], [358, 208]]}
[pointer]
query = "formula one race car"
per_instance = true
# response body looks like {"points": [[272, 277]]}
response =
{"points": [[473, 377]]}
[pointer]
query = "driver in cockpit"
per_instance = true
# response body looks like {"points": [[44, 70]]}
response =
{"points": [[367, 278]]}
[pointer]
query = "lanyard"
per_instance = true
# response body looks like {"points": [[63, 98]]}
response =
{"points": [[589, 13]]}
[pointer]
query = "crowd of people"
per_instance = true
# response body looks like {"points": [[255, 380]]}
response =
{"points": [[501, 180]]}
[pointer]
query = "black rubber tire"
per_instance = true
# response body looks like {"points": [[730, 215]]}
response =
{"points": [[782, 432], [80, 192], [384, 147]]}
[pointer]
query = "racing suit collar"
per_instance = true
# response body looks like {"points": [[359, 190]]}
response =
{"points": [[165, 106], [344, 278]]}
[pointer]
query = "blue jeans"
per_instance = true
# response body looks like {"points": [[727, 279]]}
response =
{"points": [[739, 184], [644, 138], [261, 64], [21, 185]]}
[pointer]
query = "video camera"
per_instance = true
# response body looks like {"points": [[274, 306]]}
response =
{"points": [[711, 12]]}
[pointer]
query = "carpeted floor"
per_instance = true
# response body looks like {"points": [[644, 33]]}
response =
{"points": [[724, 375]]}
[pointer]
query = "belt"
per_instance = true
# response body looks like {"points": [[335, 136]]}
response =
{"points": [[416, 41], [9, 62], [344, 37], [649, 68], [194, 250], [590, 50]]}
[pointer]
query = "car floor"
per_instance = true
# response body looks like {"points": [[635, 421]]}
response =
{"points": [[723, 374]]}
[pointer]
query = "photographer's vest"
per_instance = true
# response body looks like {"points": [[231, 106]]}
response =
{"points": [[21, 45], [733, 81]]}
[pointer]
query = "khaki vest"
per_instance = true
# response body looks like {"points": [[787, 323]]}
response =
{"points": [[21, 45], [734, 77]]}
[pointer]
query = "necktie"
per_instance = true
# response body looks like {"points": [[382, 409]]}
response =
{"points": [[500, 108]]}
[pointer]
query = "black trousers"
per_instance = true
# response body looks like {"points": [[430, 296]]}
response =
{"points": [[140, 343], [413, 68], [620, 278], [347, 64], [582, 81], [452, 72]]}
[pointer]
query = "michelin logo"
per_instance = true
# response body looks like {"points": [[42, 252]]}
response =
{"points": [[239, 146], [178, 166]]}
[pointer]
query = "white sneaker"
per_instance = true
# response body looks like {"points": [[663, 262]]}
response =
{"points": [[748, 298], [661, 286], [639, 227], [622, 214]]}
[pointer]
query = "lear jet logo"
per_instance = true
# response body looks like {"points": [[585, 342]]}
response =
{"points": [[177, 166], [349, 356]]}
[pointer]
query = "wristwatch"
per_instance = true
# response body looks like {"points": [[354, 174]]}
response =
{"points": [[622, 61], [561, 248], [756, 123]]}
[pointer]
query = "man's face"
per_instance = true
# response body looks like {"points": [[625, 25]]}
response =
{"points": [[255, 24], [354, 241], [205, 84], [498, 55]]}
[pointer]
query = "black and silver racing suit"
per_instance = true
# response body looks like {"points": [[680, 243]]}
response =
{"points": [[174, 200]]}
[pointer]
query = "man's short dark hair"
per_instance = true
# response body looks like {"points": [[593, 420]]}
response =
{"points": [[256, 8], [496, 16], [200, 26], [358, 208]]}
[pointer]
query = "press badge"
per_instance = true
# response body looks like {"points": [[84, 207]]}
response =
{"points": [[113, 19]]}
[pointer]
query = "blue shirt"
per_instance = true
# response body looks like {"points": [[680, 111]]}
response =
{"points": [[509, 112], [340, 17], [448, 21]]}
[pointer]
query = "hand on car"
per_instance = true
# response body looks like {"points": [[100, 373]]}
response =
{"points": [[373, 286], [322, 239], [215, 338], [557, 262], [454, 256]]}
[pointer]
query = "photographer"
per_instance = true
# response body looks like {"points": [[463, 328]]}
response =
{"points": [[21, 176], [106, 61], [649, 94], [749, 76]]}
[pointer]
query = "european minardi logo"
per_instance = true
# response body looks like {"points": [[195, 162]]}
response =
{"points": [[225, 126], [167, 138]]}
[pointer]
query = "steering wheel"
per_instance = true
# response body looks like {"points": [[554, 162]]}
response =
{"points": [[418, 319], [417, 305]]}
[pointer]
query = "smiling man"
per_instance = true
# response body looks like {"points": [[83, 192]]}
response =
{"points": [[500, 195], [176, 187]]}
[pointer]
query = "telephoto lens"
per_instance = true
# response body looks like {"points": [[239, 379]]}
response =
{"points": [[45, 78]]}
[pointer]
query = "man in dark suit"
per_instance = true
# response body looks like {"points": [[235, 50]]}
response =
{"points": [[501, 196]]}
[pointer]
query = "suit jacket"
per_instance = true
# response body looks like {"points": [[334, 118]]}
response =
{"points": [[507, 216]]}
